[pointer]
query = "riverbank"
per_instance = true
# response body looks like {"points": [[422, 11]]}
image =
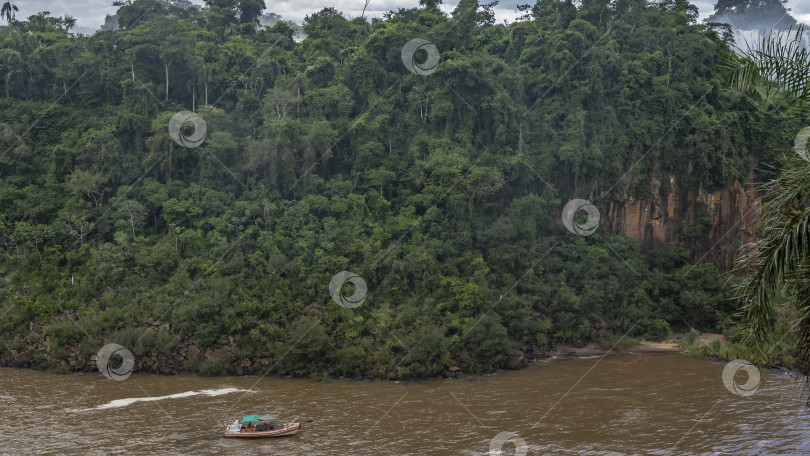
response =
{"points": [[158, 352], [678, 343]]}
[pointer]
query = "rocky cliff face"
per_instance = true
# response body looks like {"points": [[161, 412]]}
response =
{"points": [[711, 225]]}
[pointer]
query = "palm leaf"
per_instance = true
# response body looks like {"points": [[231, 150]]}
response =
{"points": [[777, 68], [7, 11], [801, 329], [771, 266]]}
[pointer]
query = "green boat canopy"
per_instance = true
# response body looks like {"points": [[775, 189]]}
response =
{"points": [[266, 417]]}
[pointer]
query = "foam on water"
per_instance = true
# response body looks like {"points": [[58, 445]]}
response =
{"points": [[118, 403]]}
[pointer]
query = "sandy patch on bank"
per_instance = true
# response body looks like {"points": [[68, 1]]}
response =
{"points": [[707, 338], [645, 346]]}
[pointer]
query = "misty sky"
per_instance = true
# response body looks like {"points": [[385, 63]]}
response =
{"points": [[90, 13]]}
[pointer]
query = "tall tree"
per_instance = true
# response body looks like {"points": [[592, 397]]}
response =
{"points": [[221, 16], [7, 11], [170, 39], [750, 14], [430, 4], [250, 10]]}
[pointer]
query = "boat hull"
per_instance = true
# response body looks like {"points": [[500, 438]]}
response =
{"points": [[289, 430]]}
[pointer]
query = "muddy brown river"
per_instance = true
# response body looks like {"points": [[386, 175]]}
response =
{"points": [[644, 404]]}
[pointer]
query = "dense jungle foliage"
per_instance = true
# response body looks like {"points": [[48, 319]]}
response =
{"points": [[442, 191]]}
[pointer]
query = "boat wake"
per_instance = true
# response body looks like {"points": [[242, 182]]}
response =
{"points": [[118, 403]]}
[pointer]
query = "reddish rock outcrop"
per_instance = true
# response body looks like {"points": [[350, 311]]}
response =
{"points": [[673, 215]]}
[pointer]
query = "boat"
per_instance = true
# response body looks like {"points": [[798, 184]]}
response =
{"points": [[257, 426]]}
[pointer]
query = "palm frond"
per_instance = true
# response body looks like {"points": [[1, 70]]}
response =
{"points": [[801, 330], [771, 266], [778, 68], [7, 12]]}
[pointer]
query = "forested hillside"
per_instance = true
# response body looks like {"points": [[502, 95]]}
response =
{"points": [[440, 185]]}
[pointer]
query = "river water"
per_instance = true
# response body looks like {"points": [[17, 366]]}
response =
{"points": [[645, 404]]}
